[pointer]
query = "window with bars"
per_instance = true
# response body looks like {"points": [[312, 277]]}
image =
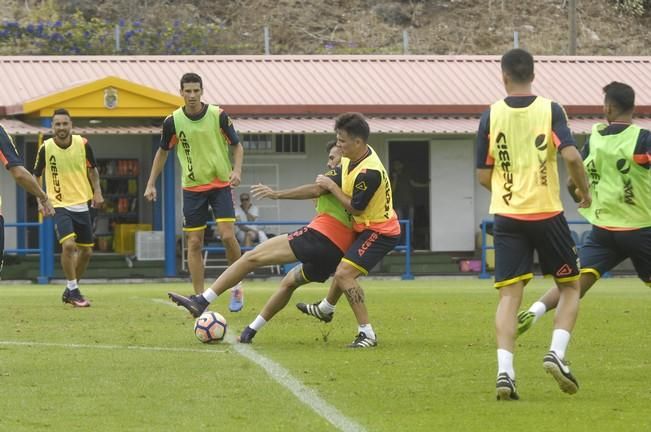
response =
{"points": [[257, 143], [267, 143]]}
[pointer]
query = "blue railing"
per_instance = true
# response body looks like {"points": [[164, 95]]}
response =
{"points": [[484, 270], [43, 262], [407, 275]]}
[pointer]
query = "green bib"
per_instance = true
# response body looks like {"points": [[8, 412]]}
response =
{"points": [[201, 148], [621, 189], [330, 205]]}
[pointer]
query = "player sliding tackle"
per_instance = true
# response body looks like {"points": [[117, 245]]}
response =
{"points": [[319, 246]]}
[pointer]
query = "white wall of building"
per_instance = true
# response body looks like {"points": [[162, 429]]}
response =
{"points": [[8, 193]]}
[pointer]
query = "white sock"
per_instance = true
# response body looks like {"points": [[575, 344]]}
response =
{"points": [[72, 285], [209, 295], [238, 286], [505, 363], [258, 323], [538, 309], [367, 329], [326, 307], [560, 340]]}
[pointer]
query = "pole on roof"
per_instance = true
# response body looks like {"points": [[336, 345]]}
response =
{"points": [[117, 38], [405, 42], [572, 16], [267, 50], [516, 39]]}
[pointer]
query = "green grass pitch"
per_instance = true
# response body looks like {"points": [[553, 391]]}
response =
{"points": [[131, 362]]}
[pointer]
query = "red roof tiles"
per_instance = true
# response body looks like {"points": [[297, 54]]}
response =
{"points": [[303, 85]]}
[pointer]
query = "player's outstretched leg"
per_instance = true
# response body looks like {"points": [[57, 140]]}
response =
{"points": [[195, 304]]}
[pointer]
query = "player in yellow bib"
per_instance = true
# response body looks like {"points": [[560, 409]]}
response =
{"points": [[617, 158], [363, 187], [71, 180], [204, 137], [12, 161], [517, 145]]}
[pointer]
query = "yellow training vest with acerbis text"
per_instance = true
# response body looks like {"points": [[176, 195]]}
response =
{"points": [[380, 209], [525, 171], [66, 173]]}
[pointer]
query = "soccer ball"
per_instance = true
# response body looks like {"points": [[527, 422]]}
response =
{"points": [[210, 327]]}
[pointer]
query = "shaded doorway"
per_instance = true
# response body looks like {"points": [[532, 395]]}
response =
{"points": [[409, 173]]}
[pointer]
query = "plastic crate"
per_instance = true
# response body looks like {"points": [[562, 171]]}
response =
{"points": [[124, 237], [150, 246]]}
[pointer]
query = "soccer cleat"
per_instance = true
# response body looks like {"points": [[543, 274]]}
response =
{"points": [[561, 373], [525, 321], [313, 310], [237, 299], [195, 304], [247, 335], [363, 341], [505, 387], [74, 298]]}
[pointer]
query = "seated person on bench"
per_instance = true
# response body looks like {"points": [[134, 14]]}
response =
{"points": [[248, 235]]}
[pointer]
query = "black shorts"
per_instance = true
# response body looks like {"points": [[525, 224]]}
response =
{"points": [[319, 255], [368, 250], [604, 249], [515, 241], [196, 209], [69, 224]]}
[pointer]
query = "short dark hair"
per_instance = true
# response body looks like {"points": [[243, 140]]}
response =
{"points": [[621, 95], [191, 77], [330, 144], [61, 111], [518, 65], [354, 124]]}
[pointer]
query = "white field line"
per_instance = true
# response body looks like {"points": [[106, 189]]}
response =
{"points": [[111, 347], [304, 394]]}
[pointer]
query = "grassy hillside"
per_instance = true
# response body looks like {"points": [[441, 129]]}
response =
{"points": [[336, 26]]}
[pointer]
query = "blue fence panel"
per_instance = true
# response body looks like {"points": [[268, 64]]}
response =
{"points": [[43, 261]]}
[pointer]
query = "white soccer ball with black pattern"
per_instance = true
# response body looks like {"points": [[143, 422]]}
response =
{"points": [[210, 327]]}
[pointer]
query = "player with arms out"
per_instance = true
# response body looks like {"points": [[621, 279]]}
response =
{"points": [[617, 159], [72, 180], [363, 187], [319, 246], [517, 145], [12, 161], [202, 135]]}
